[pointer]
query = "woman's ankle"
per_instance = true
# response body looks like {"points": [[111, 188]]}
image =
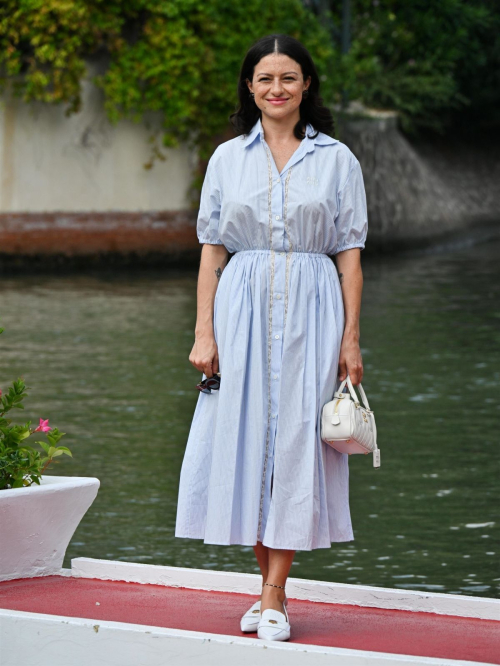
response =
{"points": [[273, 592]]}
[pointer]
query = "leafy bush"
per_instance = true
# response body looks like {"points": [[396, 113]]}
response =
{"points": [[20, 464]]}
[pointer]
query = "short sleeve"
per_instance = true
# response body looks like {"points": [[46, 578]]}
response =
{"points": [[352, 220], [207, 225]]}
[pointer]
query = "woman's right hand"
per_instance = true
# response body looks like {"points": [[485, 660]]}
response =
{"points": [[205, 355]]}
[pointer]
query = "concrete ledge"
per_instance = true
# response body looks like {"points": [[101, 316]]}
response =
{"points": [[297, 588], [51, 640]]}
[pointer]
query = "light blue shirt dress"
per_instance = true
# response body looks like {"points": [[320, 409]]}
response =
{"points": [[255, 467]]}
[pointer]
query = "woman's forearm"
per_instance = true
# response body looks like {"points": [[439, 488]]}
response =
{"points": [[213, 261], [351, 281]]}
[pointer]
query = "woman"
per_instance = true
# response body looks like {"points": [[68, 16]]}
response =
{"points": [[279, 323]]}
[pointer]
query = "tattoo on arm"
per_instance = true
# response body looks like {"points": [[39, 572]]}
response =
{"points": [[218, 273], [341, 277]]}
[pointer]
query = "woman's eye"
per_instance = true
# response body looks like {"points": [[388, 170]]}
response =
{"points": [[287, 78]]}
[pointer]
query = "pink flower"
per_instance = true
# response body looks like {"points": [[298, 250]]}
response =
{"points": [[43, 427]]}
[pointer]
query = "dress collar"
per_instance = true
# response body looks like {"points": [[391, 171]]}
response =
{"points": [[258, 131]]}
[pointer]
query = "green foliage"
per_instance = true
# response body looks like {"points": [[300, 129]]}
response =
{"points": [[422, 58], [21, 464], [43, 45]]}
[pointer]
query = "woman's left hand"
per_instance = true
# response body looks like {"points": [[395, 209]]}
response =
{"points": [[350, 361]]}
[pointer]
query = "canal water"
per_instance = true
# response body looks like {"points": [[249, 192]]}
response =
{"points": [[106, 357]]}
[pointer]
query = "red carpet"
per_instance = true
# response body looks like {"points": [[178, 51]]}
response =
{"points": [[401, 632]]}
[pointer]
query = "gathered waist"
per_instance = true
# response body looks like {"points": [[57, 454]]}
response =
{"points": [[283, 252]]}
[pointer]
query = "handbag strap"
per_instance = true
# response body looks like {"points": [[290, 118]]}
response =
{"points": [[363, 394], [350, 386]]}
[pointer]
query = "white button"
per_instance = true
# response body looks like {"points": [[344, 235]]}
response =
{"points": [[275, 376], [278, 295], [277, 337], [273, 416], [278, 181], [277, 217]]}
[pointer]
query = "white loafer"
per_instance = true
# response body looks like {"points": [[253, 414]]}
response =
{"points": [[274, 625], [250, 621]]}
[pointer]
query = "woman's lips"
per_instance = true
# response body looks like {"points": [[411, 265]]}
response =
{"points": [[278, 101]]}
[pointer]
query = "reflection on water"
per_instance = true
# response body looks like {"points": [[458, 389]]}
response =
{"points": [[107, 360]]}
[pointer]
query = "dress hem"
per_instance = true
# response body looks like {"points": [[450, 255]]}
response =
{"points": [[239, 543]]}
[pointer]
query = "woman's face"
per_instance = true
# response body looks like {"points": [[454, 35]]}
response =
{"points": [[278, 85]]}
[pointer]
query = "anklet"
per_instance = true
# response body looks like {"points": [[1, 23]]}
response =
{"points": [[271, 584]]}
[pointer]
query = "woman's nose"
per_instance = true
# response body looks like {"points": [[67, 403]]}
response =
{"points": [[276, 87]]}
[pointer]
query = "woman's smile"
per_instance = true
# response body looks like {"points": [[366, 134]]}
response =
{"points": [[278, 101]]}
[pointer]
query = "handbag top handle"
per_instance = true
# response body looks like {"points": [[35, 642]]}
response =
{"points": [[347, 381]]}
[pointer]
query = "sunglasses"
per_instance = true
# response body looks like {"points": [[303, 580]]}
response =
{"points": [[209, 384]]}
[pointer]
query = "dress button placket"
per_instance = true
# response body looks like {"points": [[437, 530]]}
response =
{"points": [[279, 265]]}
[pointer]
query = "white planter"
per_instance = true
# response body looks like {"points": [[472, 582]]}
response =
{"points": [[38, 521]]}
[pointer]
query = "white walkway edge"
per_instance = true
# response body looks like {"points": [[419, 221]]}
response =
{"points": [[53, 640], [297, 588]]}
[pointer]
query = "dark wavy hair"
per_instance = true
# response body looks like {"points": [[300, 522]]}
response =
{"points": [[311, 108]]}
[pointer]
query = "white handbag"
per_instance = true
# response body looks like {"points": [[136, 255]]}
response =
{"points": [[347, 425]]}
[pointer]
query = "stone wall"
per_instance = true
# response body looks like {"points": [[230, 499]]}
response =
{"points": [[422, 189]]}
